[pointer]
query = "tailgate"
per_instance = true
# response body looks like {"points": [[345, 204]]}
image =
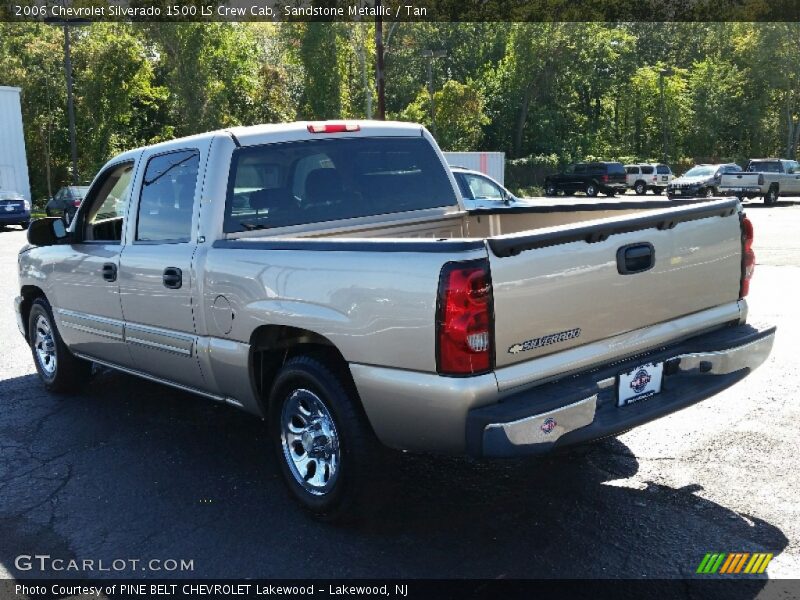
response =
{"points": [[738, 181], [564, 287]]}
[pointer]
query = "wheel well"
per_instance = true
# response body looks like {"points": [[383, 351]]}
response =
{"points": [[272, 345], [29, 293], [642, 181]]}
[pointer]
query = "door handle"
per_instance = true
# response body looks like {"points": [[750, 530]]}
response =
{"points": [[636, 258], [109, 272], [172, 278]]}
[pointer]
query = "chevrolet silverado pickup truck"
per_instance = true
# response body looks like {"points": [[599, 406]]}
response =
{"points": [[769, 178], [326, 278]]}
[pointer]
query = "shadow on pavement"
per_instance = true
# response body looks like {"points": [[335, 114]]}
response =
{"points": [[131, 469]]}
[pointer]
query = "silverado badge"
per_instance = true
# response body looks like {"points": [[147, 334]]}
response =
{"points": [[545, 340]]}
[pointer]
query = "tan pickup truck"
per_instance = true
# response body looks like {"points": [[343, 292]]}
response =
{"points": [[327, 278]]}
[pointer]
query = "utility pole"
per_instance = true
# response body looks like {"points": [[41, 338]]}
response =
{"points": [[430, 55], [73, 144], [661, 74], [379, 77]]}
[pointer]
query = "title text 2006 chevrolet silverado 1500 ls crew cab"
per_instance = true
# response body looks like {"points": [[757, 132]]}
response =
{"points": [[325, 277]]}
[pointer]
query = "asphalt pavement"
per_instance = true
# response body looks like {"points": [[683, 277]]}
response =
{"points": [[132, 470]]}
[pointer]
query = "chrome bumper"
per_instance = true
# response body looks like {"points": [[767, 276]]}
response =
{"points": [[689, 377]]}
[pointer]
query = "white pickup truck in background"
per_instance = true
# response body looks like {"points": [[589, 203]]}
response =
{"points": [[769, 178], [327, 278]]}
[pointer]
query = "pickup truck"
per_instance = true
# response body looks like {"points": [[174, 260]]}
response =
{"points": [[326, 278], [769, 178]]}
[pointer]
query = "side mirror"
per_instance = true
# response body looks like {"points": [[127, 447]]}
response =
{"points": [[47, 232]]}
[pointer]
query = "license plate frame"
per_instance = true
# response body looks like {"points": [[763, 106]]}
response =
{"points": [[644, 381]]}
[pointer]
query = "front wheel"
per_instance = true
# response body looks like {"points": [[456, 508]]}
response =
{"points": [[591, 190], [59, 369], [708, 192], [325, 447], [550, 190]]}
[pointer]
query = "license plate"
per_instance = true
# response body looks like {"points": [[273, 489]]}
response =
{"points": [[639, 383], [10, 208], [676, 192], [664, 177]]}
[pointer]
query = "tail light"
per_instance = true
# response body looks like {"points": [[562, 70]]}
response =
{"points": [[333, 127], [604, 178], [76, 202], [748, 256], [464, 322]]}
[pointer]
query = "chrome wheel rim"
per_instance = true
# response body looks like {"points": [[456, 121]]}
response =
{"points": [[640, 190], [590, 191], [44, 345], [310, 442]]}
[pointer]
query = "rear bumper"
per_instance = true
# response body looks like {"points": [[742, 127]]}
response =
{"points": [[745, 191], [15, 218], [584, 407]]}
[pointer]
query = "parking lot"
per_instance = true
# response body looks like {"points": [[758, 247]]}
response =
{"points": [[129, 469]]}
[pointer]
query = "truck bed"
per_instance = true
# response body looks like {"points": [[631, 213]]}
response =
{"points": [[550, 263]]}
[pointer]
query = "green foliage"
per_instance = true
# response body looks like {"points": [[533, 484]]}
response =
{"points": [[459, 115], [553, 92]]}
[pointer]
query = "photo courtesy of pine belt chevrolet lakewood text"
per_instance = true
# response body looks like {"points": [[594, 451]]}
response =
{"points": [[327, 278]]}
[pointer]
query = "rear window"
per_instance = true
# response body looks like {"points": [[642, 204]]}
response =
{"points": [[617, 169], [647, 170], [632, 170], [772, 166], [663, 170], [294, 183]]}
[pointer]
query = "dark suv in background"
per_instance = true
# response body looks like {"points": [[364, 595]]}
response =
{"points": [[591, 178]]}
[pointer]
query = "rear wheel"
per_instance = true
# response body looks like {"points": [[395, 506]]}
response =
{"points": [[550, 190], [640, 188], [325, 447], [591, 190], [658, 191], [771, 197], [58, 368], [708, 192]]}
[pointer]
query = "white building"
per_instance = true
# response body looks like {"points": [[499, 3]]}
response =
{"points": [[13, 163]]}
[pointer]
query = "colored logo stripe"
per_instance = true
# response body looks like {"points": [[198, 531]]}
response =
{"points": [[734, 562]]}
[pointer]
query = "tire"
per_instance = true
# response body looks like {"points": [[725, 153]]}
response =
{"points": [[550, 190], [59, 370], [591, 190], [640, 188], [313, 409], [772, 195], [658, 191], [707, 192], [611, 194]]}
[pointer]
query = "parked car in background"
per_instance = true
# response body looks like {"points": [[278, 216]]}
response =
{"points": [[648, 176], [14, 209], [769, 178], [700, 181], [481, 191], [66, 202]]}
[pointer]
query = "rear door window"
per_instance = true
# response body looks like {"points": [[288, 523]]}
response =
{"points": [[167, 199]]}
